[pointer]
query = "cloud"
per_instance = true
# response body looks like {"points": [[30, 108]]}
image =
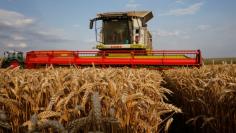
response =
{"points": [[132, 4], [203, 27], [192, 9], [14, 19], [47, 35], [179, 1], [163, 33], [18, 31], [17, 45], [17, 37], [76, 26], [11, 0], [175, 33]]}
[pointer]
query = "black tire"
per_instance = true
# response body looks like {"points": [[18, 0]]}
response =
{"points": [[4, 64]]}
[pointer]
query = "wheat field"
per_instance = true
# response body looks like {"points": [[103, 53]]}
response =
{"points": [[84, 100], [207, 97], [118, 100]]}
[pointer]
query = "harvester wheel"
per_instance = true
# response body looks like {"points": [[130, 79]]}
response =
{"points": [[14, 64]]}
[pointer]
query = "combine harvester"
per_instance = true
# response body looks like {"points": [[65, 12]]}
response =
{"points": [[124, 40]]}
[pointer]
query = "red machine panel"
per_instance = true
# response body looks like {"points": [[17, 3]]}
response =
{"points": [[115, 58]]}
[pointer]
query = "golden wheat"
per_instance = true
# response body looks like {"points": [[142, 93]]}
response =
{"points": [[207, 96], [88, 99]]}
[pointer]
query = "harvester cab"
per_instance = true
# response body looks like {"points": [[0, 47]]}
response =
{"points": [[13, 59], [123, 30]]}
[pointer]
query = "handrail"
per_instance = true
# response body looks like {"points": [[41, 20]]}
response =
{"points": [[119, 51]]}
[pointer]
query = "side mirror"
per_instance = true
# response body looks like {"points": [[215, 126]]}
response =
{"points": [[91, 24]]}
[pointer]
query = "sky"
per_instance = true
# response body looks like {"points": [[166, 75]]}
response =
{"points": [[208, 25]]}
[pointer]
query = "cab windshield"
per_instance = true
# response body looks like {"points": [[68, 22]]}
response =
{"points": [[116, 32]]}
